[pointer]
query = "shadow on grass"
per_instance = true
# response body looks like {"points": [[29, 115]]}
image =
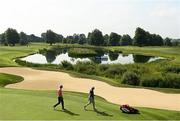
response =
{"points": [[68, 112], [103, 113]]}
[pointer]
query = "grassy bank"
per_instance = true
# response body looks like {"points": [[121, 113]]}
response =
{"points": [[167, 52], [81, 52], [6, 79], [37, 105], [7, 54]]}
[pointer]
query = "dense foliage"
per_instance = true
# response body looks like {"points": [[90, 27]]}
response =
{"points": [[126, 40], [96, 37], [130, 78], [11, 36], [50, 37], [144, 38], [114, 39], [23, 38]]}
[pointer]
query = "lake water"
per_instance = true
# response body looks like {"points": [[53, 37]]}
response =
{"points": [[106, 58]]}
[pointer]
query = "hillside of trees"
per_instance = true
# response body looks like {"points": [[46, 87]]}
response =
{"points": [[141, 38]]}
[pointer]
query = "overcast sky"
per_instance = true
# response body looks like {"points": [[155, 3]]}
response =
{"points": [[82, 16]]}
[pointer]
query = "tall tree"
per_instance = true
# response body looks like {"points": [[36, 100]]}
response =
{"points": [[59, 38], [70, 39], [82, 39], [140, 37], [3, 39], [157, 40], [144, 38], [34, 38], [114, 39], [75, 38], [89, 38], [12, 36], [96, 38], [126, 40], [43, 36], [50, 37], [167, 41], [106, 40], [23, 38]]}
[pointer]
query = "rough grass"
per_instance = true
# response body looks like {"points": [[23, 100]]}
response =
{"points": [[6, 79], [37, 105]]}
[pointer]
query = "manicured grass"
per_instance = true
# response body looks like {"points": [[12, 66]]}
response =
{"points": [[37, 105], [6, 79], [7, 54]]}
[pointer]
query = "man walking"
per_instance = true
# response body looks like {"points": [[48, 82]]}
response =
{"points": [[60, 98], [91, 99]]}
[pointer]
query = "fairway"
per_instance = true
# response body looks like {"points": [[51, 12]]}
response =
{"points": [[89, 60], [37, 105], [8, 54]]}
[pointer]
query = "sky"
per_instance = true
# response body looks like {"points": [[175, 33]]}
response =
{"points": [[67, 17]]}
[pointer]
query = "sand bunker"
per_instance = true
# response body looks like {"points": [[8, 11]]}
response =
{"points": [[49, 80]]}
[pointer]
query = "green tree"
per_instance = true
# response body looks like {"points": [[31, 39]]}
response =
{"points": [[59, 38], [96, 38], [144, 38], [82, 39], [23, 38], [33, 38], [12, 36], [126, 40], [140, 37], [3, 39], [89, 38], [75, 39], [167, 41], [70, 39], [157, 40], [114, 39], [106, 39], [50, 37], [43, 36]]}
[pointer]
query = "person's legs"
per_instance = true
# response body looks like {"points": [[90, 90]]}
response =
{"points": [[57, 103], [62, 103], [89, 102], [93, 102]]}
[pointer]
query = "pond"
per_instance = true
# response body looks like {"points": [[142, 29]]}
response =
{"points": [[51, 57]]}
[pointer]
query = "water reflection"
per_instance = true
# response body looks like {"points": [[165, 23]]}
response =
{"points": [[59, 55], [50, 56]]}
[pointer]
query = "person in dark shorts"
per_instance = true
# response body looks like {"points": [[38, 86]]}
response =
{"points": [[91, 99], [60, 98]]}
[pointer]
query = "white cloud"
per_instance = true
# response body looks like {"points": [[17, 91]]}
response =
{"points": [[166, 12]]}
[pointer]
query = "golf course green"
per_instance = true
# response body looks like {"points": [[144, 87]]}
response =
{"points": [[37, 105], [18, 104]]}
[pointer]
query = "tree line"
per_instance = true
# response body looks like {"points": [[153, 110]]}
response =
{"points": [[142, 38]]}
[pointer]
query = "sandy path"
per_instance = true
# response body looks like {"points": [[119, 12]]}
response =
{"points": [[49, 80]]}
